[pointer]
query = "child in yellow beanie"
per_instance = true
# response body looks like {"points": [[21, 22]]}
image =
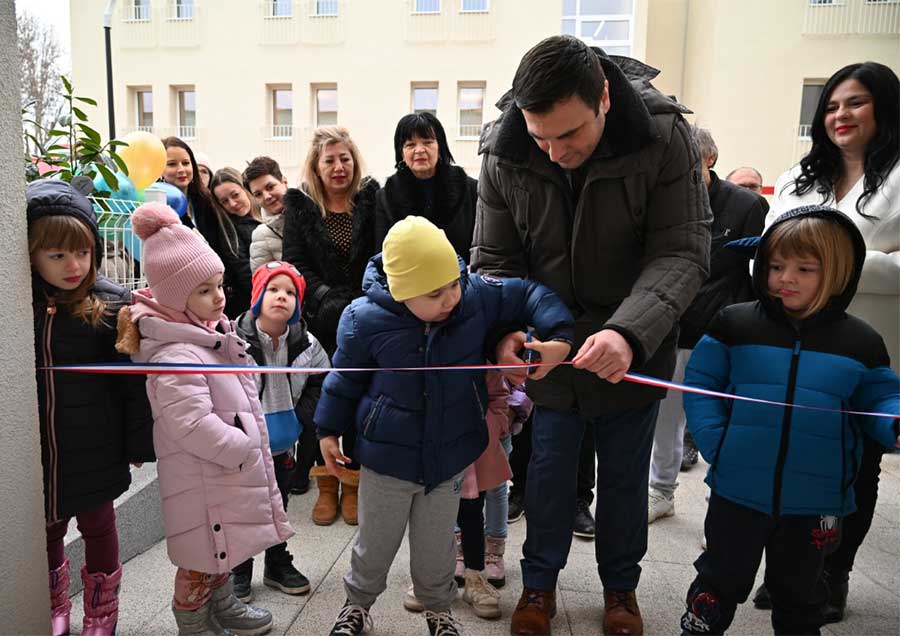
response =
{"points": [[417, 431]]}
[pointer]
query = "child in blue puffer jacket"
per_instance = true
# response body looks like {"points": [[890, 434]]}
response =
{"points": [[781, 477], [418, 430]]}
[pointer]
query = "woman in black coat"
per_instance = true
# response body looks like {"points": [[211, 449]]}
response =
{"points": [[427, 184]]}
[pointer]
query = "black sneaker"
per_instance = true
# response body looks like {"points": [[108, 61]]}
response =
{"points": [[300, 487], [353, 620], [442, 624], [761, 599], [282, 575], [242, 579], [584, 520], [691, 455], [516, 507]]}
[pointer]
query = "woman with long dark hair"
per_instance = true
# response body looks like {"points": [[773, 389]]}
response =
{"points": [[427, 183], [854, 166]]}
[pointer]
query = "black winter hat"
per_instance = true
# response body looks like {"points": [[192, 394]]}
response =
{"points": [[54, 197]]}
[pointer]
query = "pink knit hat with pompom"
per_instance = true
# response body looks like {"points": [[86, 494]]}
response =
{"points": [[176, 259]]}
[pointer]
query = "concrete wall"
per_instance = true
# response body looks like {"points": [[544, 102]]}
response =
{"points": [[23, 554]]}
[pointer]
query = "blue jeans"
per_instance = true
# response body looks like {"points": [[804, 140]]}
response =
{"points": [[496, 502], [623, 441]]}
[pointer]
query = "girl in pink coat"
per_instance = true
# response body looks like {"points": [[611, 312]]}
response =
{"points": [[220, 501]]}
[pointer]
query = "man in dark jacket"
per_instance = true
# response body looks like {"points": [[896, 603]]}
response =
{"points": [[737, 213], [591, 184]]}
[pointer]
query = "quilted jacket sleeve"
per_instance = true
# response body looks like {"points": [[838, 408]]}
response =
{"points": [[516, 303], [879, 392], [708, 368]]}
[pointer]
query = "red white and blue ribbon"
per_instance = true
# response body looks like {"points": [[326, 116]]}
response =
{"points": [[127, 368]]}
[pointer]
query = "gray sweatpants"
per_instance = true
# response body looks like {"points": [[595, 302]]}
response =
{"points": [[386, 506], [668, 441]]}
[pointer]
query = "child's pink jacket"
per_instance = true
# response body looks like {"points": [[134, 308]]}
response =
{"points": [[220, 502], [492, 467]]}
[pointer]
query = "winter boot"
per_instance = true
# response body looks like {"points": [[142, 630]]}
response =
{"points": [[325, 510], [240, 618], [60, 605], [243, 577], [838, 587], [349, 496], [198, 622], [101, 602], [494, 570], [481, 595], [281, 574]]}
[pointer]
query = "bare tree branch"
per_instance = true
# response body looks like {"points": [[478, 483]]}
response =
{"points": [[39, 50]]}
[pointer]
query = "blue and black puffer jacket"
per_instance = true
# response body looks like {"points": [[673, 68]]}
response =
{"points": [[425, 426], [783, 460]]}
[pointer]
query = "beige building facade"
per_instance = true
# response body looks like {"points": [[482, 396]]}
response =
{"points": [[238, 78]]}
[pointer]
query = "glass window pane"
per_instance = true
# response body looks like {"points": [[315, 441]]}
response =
{"points": [[140, 10], [281, 8], [187, 113], [326, 7], [474, 5], [425, 99], [284, 98], [606, 7], [617, 50], [568, 27], [604, 29], [568, 7], [184, 9], [427, 6], [471, 111], [471, 98], [808, 102], [326, 106]]}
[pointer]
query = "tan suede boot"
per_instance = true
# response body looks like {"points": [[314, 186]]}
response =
{"points": [[349, 496], [325, 511]]}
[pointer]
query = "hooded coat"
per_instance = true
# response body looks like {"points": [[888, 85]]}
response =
{"points": [[426, 426], [91, 426], [778, 459], [220, 501]]}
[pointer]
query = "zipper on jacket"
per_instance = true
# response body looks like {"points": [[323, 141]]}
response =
{"points": [[478, 398], [372, 413], [50, 416], [785, 430]]}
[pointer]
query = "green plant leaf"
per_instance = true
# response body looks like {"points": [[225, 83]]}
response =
{"points": [[66, 83], [120, 163], [108, 176], [92, 134], [87, 100], [79, 113]]}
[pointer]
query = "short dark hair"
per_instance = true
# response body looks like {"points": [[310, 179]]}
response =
{"points": [[555, 69], [426, 126], [260, 167]]}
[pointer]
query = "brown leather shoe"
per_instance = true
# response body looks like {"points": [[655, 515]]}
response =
{"points": [[533, 613], [621, 615]]}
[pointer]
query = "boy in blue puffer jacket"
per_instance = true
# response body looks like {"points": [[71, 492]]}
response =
{"points": [[781, 476], [418, 430]]}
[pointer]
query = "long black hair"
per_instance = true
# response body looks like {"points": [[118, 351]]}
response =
{"points": [[822, 165], [425, 126]]}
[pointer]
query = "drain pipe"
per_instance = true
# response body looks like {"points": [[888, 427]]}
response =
{"points": [[107, 29]]}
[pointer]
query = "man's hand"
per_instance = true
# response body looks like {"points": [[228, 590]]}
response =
{"points": [[552, 353], [331, 452], [507, 352], [605, 353]]}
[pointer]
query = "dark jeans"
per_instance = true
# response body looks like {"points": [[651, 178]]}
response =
{"points": [[854, 527], [623, 441], [587, 471], [285, 466], [795, 548], [470, 520], [101, 539], [519, 458]]}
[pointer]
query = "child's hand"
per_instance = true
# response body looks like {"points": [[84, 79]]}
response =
{"points": [[507, 353], [331, 452], [552, 353]]}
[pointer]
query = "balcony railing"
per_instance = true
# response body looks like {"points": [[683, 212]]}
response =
{"points": [[856, 17], [193, 134], [285, 144], [175, 24], [323, 21], [804, 131], [469, 131], [279, 22], [149, 129], [449, 23]]}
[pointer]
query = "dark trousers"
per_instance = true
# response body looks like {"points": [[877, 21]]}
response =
{"points": [[854, 527], [795, 548], [623, 441], [101, 539], [587, 471], [470, 520], [285, 466], [519, 458]]}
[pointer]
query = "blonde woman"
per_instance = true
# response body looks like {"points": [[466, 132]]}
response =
{"points": [[329, 235]]}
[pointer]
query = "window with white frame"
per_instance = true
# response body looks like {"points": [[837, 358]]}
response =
{"points": [[426, 6], [471, 109], [475, 6], [608, 24], [826, 3], [282, 112], [187, 113], [137, 11], [425, 98], [279, 8], [184, 10], [326, 106], [144, 109], [812, 93], [325, 8]]}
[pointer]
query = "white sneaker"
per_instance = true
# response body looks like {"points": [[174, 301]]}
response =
{"points": [[659, 506], [410, 602]]}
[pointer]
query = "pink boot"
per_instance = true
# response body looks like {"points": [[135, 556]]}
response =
{"points": [[101, 602], [60, 605]]}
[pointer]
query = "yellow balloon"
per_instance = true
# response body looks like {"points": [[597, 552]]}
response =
{"points": [[145, 157]]}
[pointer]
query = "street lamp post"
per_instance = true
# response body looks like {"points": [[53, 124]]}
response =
{"points": [[107, 29]]}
